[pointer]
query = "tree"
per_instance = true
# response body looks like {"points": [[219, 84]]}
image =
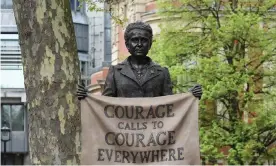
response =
{"points": [[51, 72], [228, 47], [108, 7]]}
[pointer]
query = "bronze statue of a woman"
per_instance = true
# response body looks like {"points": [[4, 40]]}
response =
{"points": [[138, 75]]}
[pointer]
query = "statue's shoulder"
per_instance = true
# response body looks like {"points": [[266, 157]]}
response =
{"points": [[153, 64], [158, 67], [120, 65]]}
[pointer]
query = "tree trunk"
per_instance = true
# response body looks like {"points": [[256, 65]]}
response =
{"points": [[51, 71]]}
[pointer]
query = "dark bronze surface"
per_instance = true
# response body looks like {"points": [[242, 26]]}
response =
{"points": [[122, 82], [138, 75]]}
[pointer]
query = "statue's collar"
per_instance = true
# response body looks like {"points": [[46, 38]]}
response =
{"points": [[151, 63], [126, 70]]}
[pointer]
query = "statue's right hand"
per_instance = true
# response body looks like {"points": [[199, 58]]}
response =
{"points": [[81, 92]]}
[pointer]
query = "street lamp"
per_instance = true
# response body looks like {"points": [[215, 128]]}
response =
{"points": [[5, 137]]}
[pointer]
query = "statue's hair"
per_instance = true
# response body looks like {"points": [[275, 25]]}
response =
{"points": [[137, 25]]}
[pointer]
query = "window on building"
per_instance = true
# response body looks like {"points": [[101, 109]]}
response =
{"points": [[83, 67], [81, 31], [17, 117], [10, 53], [6, 4], [72, 3], [13, 159], [13, 116], [5, 115], [77, 5], [10, 46]]}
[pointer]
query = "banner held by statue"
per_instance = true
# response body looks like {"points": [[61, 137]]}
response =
{"points": [[159, 130]]}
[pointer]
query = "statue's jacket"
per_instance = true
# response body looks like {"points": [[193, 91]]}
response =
{"points": [[122, 82]]}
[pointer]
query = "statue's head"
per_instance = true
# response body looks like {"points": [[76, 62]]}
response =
{"points": [[138, 38]]}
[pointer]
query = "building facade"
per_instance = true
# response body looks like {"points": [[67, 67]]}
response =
{"points": [[13, 97], [81, 31], [131, 11], [99, 47]]}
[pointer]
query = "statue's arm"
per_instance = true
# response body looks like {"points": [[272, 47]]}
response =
{"points": [[167, 87], [82, 91], [196, 91], [110, 85]]}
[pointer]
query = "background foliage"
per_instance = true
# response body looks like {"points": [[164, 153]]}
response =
{"points": [[229, 48]]}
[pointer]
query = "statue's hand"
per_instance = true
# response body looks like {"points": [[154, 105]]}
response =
{"points": [[81, 92], [196, 91]]}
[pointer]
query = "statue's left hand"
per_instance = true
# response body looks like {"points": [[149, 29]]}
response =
{"points": [[196, 91], [82, 92]]}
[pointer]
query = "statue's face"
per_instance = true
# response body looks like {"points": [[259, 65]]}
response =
{"points": [[139, 42]]}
